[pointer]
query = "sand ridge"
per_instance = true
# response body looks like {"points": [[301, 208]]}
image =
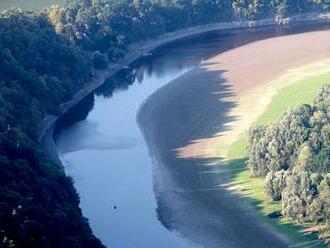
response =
{"points": [[188, 124], [248, 71]]}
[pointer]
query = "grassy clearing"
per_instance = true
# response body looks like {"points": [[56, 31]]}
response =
{"points": [[302, 91]]}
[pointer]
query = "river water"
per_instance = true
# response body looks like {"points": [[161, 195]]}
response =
{"points": [[103, 150]]}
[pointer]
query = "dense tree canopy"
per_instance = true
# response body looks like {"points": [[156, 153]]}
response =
{"points": [[46, 57], [294, 155], [39, 69], [109, 26]]}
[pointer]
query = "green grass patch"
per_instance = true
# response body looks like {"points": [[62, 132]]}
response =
{"points": [[252, 190], [303, 91]]}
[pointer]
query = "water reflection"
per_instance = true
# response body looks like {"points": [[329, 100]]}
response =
{"points": [[104, 152], [178, 56]]}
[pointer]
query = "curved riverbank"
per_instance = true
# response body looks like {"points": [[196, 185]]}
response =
{"points": [[305, 84], [185, 121], [137, 50], [96, 162]]}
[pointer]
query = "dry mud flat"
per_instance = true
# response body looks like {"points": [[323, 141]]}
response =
{"points": [[189, 123]]}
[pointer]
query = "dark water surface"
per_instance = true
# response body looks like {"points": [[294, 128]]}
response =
{"points": [[104, 151]]}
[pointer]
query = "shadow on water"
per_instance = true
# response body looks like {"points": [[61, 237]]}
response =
{"points": [[77, 113], [289, 228], [192, 181], [174, 56], [189, 193]]}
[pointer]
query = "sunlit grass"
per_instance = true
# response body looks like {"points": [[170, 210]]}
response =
{"points": [[251, 188], [289, 97]]}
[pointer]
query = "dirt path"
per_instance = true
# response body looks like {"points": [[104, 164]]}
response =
{"points": [[185, 121]]}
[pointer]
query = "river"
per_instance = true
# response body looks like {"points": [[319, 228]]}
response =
{"points": [[103, 150]]}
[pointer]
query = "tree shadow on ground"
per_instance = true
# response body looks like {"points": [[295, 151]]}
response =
{"points": [[191, 194]]}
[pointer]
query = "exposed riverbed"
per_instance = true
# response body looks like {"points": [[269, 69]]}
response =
{"points": [[103, 150]]}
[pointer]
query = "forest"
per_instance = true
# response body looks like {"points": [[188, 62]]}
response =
{"points": [[47, 56], [106, 28], [293, 155], [39, 70]]}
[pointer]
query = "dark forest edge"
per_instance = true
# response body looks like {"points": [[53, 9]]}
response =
{"points": [[45, 58], [293, 155]]}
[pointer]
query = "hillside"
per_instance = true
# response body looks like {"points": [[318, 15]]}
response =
{"points": [[48, 56]]}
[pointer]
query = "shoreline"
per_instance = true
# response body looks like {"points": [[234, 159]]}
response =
{"points": [[189, 112], [306, 86], [48, 124], [262, 85], [137, 50]]}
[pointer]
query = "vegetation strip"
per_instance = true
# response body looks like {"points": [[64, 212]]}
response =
{"points": [[302, 91], [136, 51], [46, 58]]}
